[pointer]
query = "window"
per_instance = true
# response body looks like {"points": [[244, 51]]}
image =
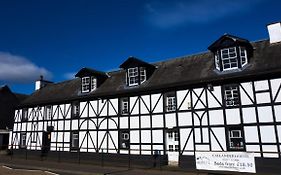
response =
{"points": [[176, 134], [48, 112], [24, 114], [34, 133], [124, 139], [23, 140], [171, 103], [74, 140], [85, 84], [124, 106], [236, 141], [229, 58], [93, 83], [171, 148], [75, 109], [231, 95], [217, 61], [170, 135], [142, 75], [133, 76], [243, 56]]}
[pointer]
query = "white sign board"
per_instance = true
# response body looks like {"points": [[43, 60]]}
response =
{"points": [[226, 161]]}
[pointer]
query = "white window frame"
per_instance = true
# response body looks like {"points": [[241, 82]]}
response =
{"points": [[48, 112], [231, 94], [142, 75], [85, 84], [133, 76], [23, 140], [124, 106], [243, 55], [75, 110], [93, 83], [230, 135], [171, 103], [217, 61], [228, 60]]}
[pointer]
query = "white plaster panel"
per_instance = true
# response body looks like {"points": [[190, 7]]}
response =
{"points": [[180, 99], [134, 105], [92, 124], [74, 125], [144, 104], [185, 119], [216, 117], [67, 111], [170, 120], [102, 123], [265, 114], [205, 135], [146, 149], [124, 122], [279, 132], [134, 136], [113, 140], [82, 134], [101, 142], [252, 148], [249, 115], [267, 134], [157, 136], [251, 134], [155, 104], [246, 93], [113, 107], [184, 133], [83, 124], [67, 125], [40, 126], [270, 155], [202, 147], [200, 104], [66, 137], [60, 125], [197, 135], [232, 116], [134, 122], [83, 110], [263, 97], [145, 136], [103, 107], [60, 137], [93, 108], [157, 121], [277, 110], [135, 149], [220, 134], [113, 123], [159, 148], [145, 121], [212, 102], [269, 148], [92, 142], [275, 84], [261, 85]]}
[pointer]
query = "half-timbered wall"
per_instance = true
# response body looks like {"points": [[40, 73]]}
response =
{"points": [[201, 119]]}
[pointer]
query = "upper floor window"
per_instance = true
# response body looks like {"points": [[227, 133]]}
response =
{"points": [[170, 102], [235, 139], [243, 56], [93, 83], [75, 109], [48, 112], [86, 84], [124, 106], [142, 75], [24, 114], [229, 58], [231, 95]]}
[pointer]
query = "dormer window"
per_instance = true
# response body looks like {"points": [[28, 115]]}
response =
{"points": [[90, 79], [137, 71], [231, 53]]}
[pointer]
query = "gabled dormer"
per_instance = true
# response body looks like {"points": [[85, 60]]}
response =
{"points": [[137, 71], [231, 53], [90, 79]]}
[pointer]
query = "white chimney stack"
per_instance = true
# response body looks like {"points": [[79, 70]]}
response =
{"points": [[274, 31], [41, 83]]}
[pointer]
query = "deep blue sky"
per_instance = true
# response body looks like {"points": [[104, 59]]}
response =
{"points": [[57, 38]]}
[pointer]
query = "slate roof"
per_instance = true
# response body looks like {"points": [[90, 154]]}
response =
{"points": [[187, 71]]}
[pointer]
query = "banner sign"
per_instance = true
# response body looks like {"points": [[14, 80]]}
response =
{"points": [[226, 161]]}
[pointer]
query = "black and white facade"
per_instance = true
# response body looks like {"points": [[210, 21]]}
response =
{"points": [[224, 100]]}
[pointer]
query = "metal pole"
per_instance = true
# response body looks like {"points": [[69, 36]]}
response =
{"points": [[102, 163]]}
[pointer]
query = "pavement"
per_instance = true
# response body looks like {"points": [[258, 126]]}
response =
{"points": [[21, 165]]}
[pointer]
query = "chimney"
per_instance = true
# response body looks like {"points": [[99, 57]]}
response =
{"points": [[41, 83], [274, 31]]}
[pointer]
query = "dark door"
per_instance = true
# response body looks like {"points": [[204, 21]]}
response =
{"points": [[46, 142]]}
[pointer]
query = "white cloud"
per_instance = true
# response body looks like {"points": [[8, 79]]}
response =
{"points": [[166, 14], [69, 75], [17, 69]]}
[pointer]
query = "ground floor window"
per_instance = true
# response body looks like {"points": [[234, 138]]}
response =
{"points": [[173, 141], [23, 140], [235, 139], [74, 140], [124, 139]]}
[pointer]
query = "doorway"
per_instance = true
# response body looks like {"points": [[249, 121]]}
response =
{"points": [[46, 142], [172, 147]]}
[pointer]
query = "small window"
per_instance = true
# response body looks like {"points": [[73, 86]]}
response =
{"points": [[75, 110], [124, 106], [171, 103], [133, 76], [93, 83], [170, 135], [243, 56], [229, 58], [236, 141], [48, 112], [124, 139], [231, 95], [217, 61], [23, 140], [171, 148], [142, 75], [176, 134], [85, 84], [176, 147], [74, 140], [24, 114]]}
